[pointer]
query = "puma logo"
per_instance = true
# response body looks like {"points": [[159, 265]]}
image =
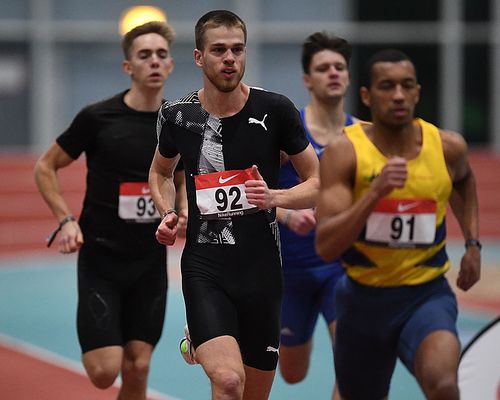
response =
{"points": [[273, 349], [256, 121]]}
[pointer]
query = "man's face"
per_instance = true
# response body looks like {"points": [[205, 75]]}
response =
{"points": [[328, 76], [150, 62], [223, 57], [393, 94]]}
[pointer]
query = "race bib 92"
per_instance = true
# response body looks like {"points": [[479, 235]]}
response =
{"points": [[222, 194], [135, 203], [402, 222]]}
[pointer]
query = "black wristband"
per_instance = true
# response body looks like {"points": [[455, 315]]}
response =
{"points": [[63, 222], [473, 242]]}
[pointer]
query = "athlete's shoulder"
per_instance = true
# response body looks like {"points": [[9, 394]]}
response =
{"points": [[338, 158], [357, 128], [263, 95], [190, 98], [93, 111], [454, 145], [188, 101], [110, 103], [448, 138], [339, 144], [185, 112]]}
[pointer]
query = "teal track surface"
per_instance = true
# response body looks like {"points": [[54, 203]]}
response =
{"points": [[38, 303]]}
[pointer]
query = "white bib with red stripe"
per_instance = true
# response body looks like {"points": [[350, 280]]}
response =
{"points": [[402, 222], [135, 203], [222, 194]]}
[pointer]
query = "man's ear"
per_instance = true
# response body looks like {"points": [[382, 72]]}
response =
{"points": [[126, 67], [197, 58], [307, 81], [419, 87], [364, 95], [171, 66]]}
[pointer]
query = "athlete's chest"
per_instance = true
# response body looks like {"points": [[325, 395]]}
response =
{"points": [[251, 137], [126, 142], [424, 176]]}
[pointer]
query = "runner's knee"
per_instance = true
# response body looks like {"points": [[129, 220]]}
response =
{"points": [[292, 375], [102, 378], [444, 389], [229, 382], [137, 369]]}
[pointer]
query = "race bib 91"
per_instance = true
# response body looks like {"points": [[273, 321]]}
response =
{"points": [[222, 194], [402, 222], [135, 203]]}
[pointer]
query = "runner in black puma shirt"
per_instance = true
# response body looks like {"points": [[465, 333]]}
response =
{"points": [[122, 280], [230, 137]]}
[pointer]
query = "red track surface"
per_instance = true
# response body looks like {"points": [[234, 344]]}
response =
{"points": [[23, 377]]}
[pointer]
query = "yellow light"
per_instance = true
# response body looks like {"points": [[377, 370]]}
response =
{"points": [[138, 15]]}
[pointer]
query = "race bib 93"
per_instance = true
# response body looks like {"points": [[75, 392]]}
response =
{"points": [[135, 203]]}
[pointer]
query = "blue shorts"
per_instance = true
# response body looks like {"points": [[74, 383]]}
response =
{"points": [[375, 326], [308, 293]]}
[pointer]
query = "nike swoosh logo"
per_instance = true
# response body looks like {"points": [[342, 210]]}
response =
{"points": [[406, 207], [224, 180]]}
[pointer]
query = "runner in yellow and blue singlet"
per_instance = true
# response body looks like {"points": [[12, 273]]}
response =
{"points": [[384, 191]]}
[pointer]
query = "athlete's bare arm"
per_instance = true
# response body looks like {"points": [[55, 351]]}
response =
{"points": [[181, 202], [301, 196], [464, 204], [70, 237], [299, 221], [340, 221], [161, 183]]}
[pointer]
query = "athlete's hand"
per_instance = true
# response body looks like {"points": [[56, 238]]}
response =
{"points": [[167, 230], [257, 192], [71, 238], [301, 221], [470, 268], [392, 176]]}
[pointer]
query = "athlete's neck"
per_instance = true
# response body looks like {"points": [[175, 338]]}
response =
{"points": [[403, 141], [146, 100], [325, 120], [223, 104]]}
